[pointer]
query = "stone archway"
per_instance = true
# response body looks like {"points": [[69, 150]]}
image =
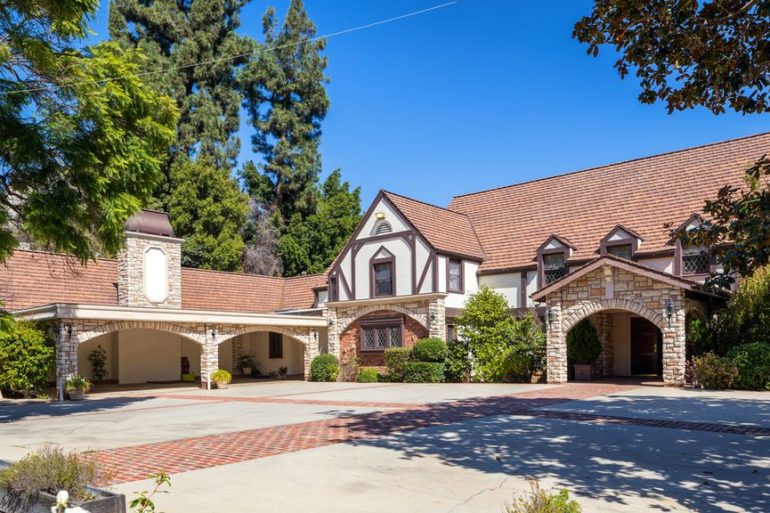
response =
{"points": [[583, 310]]}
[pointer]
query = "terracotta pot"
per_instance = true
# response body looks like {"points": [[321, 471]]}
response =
{"points": [[246, 371], [77, 395], [583, 372], [221, 386]]}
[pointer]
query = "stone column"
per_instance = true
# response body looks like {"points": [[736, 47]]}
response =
{"points": [[66, 354], [209, 357], [333, 336], [437, 319], [603, 323], [237, 344], [312, 349], [674, 357], [556, 344]]}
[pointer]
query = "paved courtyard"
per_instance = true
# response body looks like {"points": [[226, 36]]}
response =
{"points": [[299, 446]]}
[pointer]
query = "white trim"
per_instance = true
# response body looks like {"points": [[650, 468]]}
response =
{"points": [[122, 313], [385, 300], [145, 276], [149, 236]]}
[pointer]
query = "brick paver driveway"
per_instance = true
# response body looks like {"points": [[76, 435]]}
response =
{"points": [[351, 447]]}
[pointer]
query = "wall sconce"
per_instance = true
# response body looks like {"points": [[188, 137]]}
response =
{"points": [[214, 333], [331, 322], [549, 316], [669, 310], [379, 215], [69, 330]]}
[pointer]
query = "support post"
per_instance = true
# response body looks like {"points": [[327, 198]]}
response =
{"points": [[66, 355], [209, 356], [312, 349]]}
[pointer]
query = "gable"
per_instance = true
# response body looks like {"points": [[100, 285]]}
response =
{"points": [[382, 210]]}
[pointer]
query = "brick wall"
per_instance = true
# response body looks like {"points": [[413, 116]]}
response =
{"points": [[350, 340]]}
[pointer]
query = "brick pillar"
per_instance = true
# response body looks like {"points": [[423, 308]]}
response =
{"points": [[437, 319], [209, 357], [66, 354], [674, 358], [333, 336], [312, 349], [556, 345]]}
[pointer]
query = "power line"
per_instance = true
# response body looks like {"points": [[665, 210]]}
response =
{"points": [[330, 35]]}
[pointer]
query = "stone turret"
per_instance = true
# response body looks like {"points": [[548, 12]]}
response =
{"points": [[150, 265]]}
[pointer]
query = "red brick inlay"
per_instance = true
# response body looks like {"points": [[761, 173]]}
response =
{"points": [[281, 400], [138, 462]]}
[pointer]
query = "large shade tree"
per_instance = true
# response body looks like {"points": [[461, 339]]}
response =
{"points": [[713, 54], [82, 138]]}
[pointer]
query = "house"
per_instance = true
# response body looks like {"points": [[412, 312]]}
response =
{"points": [[593, 244]]}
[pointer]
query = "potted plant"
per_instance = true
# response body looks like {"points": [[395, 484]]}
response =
{"points": [[77, 387], [246, 363], [283, 372], [583, 348], [221, 378]]}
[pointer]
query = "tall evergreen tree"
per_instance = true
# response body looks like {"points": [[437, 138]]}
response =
{"points": [[285, 95]]}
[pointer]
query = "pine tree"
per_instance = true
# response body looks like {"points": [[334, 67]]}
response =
{"points": [[285, 95]]}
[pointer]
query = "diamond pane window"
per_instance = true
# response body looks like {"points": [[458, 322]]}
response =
{"points": [[382, 338], [381, 335], [696, 261], [620, 250], [553, 267], [369, 340], [395, 336]]}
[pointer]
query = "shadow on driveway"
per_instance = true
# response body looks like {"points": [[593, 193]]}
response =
{"points": [[15, 411]]}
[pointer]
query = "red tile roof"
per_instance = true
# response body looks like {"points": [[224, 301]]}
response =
{"points": [[445, 230], [643, 194], [31, 278]]}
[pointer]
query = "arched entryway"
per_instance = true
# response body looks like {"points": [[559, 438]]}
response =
{"points": [[274, 354]]}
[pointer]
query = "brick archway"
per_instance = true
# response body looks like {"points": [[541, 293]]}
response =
{"points": [[84, 330], [418, 315]]}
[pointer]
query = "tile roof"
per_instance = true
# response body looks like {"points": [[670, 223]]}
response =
{"points": [[32, 278], [445, 230], [643, 194]]}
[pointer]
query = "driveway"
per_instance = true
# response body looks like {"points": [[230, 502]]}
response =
{"points": [[435, 448]]}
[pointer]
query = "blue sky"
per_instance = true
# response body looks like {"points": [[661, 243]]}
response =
{"points": [[478, 95]]}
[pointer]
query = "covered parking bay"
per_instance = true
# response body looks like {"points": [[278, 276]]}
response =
{"points": [[147, 344]]}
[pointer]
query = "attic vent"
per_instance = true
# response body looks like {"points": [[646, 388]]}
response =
{"points": [[383, 227]]}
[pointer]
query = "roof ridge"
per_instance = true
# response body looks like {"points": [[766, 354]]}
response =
{"points": [[617, 163], [426, 203]]}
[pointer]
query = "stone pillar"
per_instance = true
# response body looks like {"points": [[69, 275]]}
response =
{"points": [[209, 357], [237, 343], [605, 362], [333, 337], [556, 345], [312, 349], [66, 354], [437, 319], [674, 357]]}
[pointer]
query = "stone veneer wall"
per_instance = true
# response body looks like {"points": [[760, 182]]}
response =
{"points": [[350, 341], [611, 288], [131, 270]]}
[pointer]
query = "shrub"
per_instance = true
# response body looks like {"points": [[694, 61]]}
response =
{"points": [[26, 358], [698, 340], [458, 362], [246, 361], [395, 360], [712, 371], [518, 366], [753, 363], [368, 375], [221, 376], [583, 346], [540, 501], [98, 359], [429, 350], [76, 382], [747, 316], [424, 372], [324, 367], [49, 469]]}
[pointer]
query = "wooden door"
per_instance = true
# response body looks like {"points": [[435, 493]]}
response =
{"points": [[646, 347]]}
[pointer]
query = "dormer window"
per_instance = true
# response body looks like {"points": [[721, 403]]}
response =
{"points": [[554, 267], [552, 258], [621, 250], [695, 260], [620, 242]]}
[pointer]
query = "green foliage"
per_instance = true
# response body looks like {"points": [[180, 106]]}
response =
{"points": [[49, 469], [221, 376], [423, 372], [395, 360], [753, 363], [583, 345], [79, 151], [98, 359], [77, 383], [747, 316], [324, 367], [208, 210], [458, 363], [144, 502], [540, 501], [493, 335], [26, 358], [285, 96], [712, 371], [430, 350], [246, 361], [368, 375], [699, 339]]}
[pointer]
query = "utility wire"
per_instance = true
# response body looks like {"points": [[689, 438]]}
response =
{"points": [[330, 35]]}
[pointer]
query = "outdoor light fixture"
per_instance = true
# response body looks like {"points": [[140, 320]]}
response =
{"points": [[331, 322], [549, 316], [669, 310], [380, 215], [69, 330], [214, 333]]}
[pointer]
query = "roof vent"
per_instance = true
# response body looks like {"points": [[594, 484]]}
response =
{"points": [[383, 227], [151, 222]]}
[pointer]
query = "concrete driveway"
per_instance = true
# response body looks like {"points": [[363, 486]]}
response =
{"points": [[435, 448]]}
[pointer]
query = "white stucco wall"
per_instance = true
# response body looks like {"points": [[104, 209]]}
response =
{"points": [[422, 258], [665, 264], [257, 345], [508, 284], [471, 280], [400, 249], [621, 344], [148, 355], [109, 343], [397, 222]]}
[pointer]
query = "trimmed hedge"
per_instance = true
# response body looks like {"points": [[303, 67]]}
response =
{"points": [[753, 362], [423, 372], [395, 360], [368, 375], [324, 367], [430, 350]]}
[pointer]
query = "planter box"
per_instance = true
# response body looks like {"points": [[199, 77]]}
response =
{"points": [[105, 501], [76, 395], [583, 372]]}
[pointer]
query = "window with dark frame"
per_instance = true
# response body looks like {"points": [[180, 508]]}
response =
{"points": [[276, 345], [333, 288], [382, 335], [621, 250], [383, 278], [450, 332], [455, 274], [695, 261], [554, 267]]}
